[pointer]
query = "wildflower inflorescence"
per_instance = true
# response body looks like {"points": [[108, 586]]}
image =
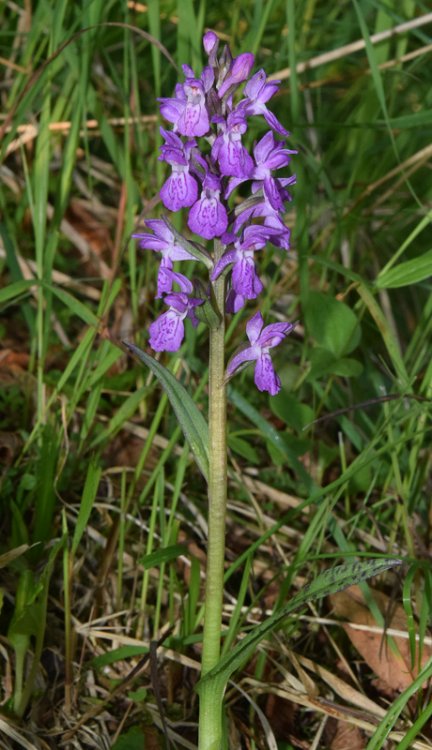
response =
{"points": [[208, 162]]}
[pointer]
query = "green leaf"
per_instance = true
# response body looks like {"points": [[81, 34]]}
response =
{"points": [[16, 289], [133, 739], [324, 362], [387, 334], [288, 408], [243, 448], [332, 580], [191, 420], [274, 438], [118, 654], [414, 120], [409, 272], [88, 497], [332, 323], [74, 305], [164, 555]]}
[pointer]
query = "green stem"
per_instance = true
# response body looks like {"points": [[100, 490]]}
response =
{"points": [[210, 718]]}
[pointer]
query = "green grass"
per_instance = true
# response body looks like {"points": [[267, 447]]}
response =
{"points": [[103, 513]]}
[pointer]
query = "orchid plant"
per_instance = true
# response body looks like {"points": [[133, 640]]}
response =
{"points": [[210, 115]]}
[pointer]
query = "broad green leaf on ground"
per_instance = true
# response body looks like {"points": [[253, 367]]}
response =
{"points": [[409, 272], [133, 739], [332, 580], [323, 362], [288, 408], [191, 420], [333, 324]]}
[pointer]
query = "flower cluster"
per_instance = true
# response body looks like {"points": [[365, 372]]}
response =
{"points": [[208, 162]]}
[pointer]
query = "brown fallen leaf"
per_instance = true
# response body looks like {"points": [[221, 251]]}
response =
{"points": [[342, 736], [389, 659]]}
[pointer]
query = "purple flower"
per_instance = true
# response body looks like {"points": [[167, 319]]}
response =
{"points": [[228, 150], [261, 341], [208, 216], [167, 331], [181, 189], [187, 110], [164, 242], [270, 154], [258, 92], [245, 281], [240, 68]]}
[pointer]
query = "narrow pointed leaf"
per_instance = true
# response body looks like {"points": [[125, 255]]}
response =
{"points": [[189, 416], [410, 272], [332, 580]]}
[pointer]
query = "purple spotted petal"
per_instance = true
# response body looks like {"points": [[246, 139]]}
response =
{"points": [[265, 377], [233, 158], [208, 218], [167, 332], [194, 119], [245, 280], [180, 190]]}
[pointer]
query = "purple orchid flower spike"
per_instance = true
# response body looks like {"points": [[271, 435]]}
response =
{"points": [[261, 341], [208, 216], [258, 92], [227, 149], [181, 188]]}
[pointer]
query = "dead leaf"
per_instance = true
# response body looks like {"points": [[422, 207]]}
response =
{"points": [[391, 665], [342, 736]]}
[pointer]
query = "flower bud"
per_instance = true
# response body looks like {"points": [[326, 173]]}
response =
{"points": [[210, 42], [238, 72]]}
